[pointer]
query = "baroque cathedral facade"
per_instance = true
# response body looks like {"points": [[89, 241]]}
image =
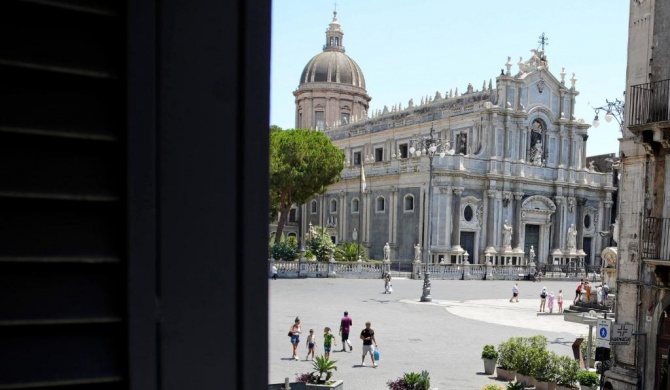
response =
{"points": [[498, 173]]}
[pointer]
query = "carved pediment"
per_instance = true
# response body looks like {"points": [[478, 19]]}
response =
{"points": [[538, 204]]}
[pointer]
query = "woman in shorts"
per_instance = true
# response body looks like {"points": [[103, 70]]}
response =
{"points": [[295, 331]]}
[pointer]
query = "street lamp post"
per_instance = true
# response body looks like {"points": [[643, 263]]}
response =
{"points": [[429, 146], [613, 110]]}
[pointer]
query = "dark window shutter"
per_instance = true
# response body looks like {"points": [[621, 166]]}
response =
{"points": [[62, 195]]}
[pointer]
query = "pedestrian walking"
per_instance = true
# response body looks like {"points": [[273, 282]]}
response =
{"points": [[599, 294], [550, 302], [311, 345], [274, 272], [606, 292], [560, 301], [294, 331], [388, 288], [515, 293], [368, 337], [578, 291], [345, 327], [543, 298], [328, 341]]}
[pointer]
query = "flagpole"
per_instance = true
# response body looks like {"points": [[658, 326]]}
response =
{"points": [[360, 213]]}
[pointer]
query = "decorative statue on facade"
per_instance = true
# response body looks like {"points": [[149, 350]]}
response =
{"points": [[536, 153], [462, 144], [572, 238], [507, 235], [387, 252], [531, 254], [417, 253]]}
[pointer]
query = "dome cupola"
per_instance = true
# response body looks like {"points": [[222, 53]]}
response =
{"points": [[331, 91]]}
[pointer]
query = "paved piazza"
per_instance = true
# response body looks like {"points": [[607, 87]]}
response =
{"points": [[444, 337]]}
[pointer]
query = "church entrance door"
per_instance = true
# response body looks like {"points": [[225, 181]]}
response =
{"points": [[587, 250], [468, 243], [532, 237]]}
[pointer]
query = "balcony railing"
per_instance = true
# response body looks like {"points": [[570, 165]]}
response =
{"points": [[656, 238], [649, 103]]}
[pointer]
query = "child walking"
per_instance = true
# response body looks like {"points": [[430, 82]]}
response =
{"points": [[328, 340], [311, 344], [560, 301]]}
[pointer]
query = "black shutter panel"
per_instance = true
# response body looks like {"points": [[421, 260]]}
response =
{"points": [[62, 195]]}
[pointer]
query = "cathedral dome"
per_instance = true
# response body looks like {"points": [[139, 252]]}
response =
{"points": [[335, 67], [332, 65]]}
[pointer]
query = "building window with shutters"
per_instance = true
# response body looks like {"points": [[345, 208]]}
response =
{"points": [[379, 154], [357, 158]]}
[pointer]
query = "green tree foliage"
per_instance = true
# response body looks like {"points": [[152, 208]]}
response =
{"points": [[349, 252], [320, 244], [286, 250], [303, 163]]}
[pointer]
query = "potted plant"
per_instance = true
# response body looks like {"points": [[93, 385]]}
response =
{"points": [[490, 357], [567, 373], [516, 385], [316, 380], [545, 370], [588, 380], [506, 352], [411, 381]]}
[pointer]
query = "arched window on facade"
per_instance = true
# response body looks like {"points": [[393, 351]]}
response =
{"points": [[408, 204], [333, 206], [354, 206], [380, 204], [312, 207]]}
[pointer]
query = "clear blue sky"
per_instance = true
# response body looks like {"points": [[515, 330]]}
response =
{"points": [[410, 49]]}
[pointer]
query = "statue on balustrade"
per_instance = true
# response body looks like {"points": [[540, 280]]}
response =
{"points": [[387, 252], [417, 253], [507, 235], [572, 238]]}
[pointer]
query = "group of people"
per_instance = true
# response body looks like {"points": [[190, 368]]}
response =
{"points": [[602, 292], [329, 340], [547, 300], [388, 287]]}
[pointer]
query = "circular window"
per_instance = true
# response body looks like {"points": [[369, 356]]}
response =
{"points": [[587, 221], [467, 213]]}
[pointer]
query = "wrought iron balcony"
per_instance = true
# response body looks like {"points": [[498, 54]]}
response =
{"points": [[648, 104], [656, 238]]}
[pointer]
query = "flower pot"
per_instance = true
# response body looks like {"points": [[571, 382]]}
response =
{"points": [[541, 385], [489, 366], [506, 375], [336, 385], [530, 381]]}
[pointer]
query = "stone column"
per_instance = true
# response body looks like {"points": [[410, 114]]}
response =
{"points": [[456, 220], [445, 200], [342, 215], [579, 224], [606, 220], [508, 140], [561, 139], [571, 152], [516, 237], [393, 206], [490, 227], [558, 218]]}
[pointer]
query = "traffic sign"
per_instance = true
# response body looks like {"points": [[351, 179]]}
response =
{"points": [[603, 332], [621, 334]]}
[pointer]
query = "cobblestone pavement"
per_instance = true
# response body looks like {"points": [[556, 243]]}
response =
{"points": [[444, 337]]}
